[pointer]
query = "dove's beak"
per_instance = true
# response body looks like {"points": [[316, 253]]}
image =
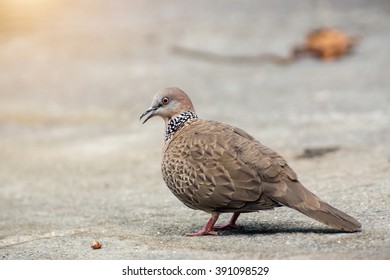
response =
{"points": [[148, 113]]}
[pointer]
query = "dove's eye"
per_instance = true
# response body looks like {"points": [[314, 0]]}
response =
{"points": [[165, 100]]}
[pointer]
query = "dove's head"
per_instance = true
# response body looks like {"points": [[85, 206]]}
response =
{"points": [[168, 103]]}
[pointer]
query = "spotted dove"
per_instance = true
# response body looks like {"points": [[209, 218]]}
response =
{"points": [[219, 168]]}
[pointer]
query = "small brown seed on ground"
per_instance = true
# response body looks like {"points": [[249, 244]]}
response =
{"points": [[96, 245]]}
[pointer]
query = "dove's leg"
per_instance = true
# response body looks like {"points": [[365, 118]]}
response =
{"points": [[208, 229], [231, 224]]}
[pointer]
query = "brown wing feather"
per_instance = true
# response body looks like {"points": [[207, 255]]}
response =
{"points": [[215, 177], [280, 183]]}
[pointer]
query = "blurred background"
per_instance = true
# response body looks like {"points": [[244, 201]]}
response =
{"points": [[75, 75], [86, 61]]}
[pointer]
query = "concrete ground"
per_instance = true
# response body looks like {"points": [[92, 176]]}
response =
{"points": [[76, 165]]}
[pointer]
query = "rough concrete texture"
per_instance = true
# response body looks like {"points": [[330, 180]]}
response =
{"points": [[76, 165]]}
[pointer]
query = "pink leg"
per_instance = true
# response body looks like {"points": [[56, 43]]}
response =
{"points": [[208, 228], [231, 224]]}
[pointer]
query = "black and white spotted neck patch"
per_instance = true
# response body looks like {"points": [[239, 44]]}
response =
{"points": [[176, 123]]}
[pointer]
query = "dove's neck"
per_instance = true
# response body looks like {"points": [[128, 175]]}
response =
{"points": [[177, 122]]}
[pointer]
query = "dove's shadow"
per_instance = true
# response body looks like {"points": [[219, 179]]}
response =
{"points": [[268, 229], [261, 229]]}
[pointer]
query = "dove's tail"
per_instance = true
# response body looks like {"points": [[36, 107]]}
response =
{"points": [[296, 196]]}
